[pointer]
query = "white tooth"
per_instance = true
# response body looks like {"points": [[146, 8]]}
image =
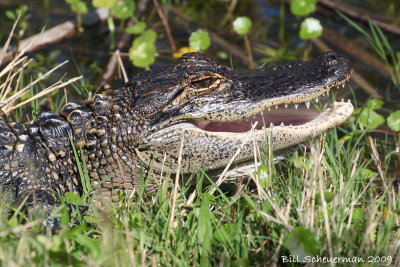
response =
{"points": [[316, 100], [308, 104], [269, 109], [290, 125], [286, 105], [263, 128], [348, 100], [296, 106], [271, 125], [342, 100], [343, 85], [282, 124], [276, 107]]}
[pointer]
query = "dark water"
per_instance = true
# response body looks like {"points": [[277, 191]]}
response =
{"points": [[89, 52]]}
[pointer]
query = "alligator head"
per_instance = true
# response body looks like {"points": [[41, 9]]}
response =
{"points": [[215, 111], [213, 107]]}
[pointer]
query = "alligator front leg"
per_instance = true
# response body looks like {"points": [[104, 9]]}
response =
{"points": [[29, 171]]}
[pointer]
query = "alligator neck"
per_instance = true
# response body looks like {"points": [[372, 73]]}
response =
{"points": [[103, 130]]}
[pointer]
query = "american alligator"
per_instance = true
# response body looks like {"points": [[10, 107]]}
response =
{"points": [[127, 132]]}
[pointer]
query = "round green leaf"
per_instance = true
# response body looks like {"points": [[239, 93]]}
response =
{"points": [[142, 53], [310, 28], [393, 121], [371, 119], [123, 10], [301, 243], [199, 40], [302, 7], [81, 7], [139, 27], [242, 25], [374, 103], [104, 3]]}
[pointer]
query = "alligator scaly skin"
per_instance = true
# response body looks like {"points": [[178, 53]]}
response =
{"points": [[123, 133]]}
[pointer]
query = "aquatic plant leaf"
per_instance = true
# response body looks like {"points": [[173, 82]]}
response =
{"points": [[104, 3], [393, 121], [310, 28], [371, 119], [143, 49], [374, 103], [242, 25], [78, 6], [138, 28], [123, 10], [199, 40], [302, 7]]}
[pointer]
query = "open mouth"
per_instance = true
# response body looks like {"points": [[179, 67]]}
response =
{"points": [[279, 115], [284, 115]]}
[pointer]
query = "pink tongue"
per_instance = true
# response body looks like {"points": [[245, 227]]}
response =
{"points": [[233, 127], [275, 116]]}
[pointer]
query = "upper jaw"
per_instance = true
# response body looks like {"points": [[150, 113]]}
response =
{"points": [[253, 91], [292, 111]]}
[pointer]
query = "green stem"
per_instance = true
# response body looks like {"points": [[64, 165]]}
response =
{"points": [[282, 23], [79, 20], [307, 50], [249, 52], [111, 28]]}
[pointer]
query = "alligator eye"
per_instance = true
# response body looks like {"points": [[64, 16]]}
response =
{"points": [[202, 84], [332, 60]]}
